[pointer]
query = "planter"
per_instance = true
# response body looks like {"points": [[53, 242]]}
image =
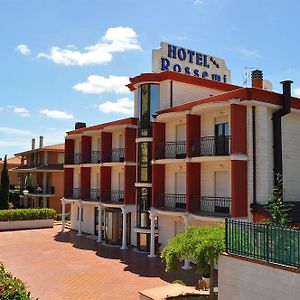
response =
{"points": [[207, 281], [25, 224]]}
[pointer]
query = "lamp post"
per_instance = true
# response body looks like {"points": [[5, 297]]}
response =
{"points": [[25, 193]]}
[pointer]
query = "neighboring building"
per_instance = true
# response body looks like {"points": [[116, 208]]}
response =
{"points": [[206, 149], [41, 176], [12, 163]]}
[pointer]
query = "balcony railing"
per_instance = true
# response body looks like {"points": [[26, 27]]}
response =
{"points": [[95, 194], [114, 155], [73, 158], [113, 197], [41, 190], [77, 158], [213, 206], [90, 194], [173, 202], [170, 150], [210, 146], [73, 193], [95, 157]]}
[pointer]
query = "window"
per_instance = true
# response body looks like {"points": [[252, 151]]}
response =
{"points": [[143, 207], [144, 160], [222, 139]]}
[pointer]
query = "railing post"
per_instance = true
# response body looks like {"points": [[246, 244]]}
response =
{"points": [[267, 243]]}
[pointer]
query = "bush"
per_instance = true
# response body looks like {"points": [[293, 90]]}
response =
{"points": [[27, 214], [178, 281], [12, 288]]}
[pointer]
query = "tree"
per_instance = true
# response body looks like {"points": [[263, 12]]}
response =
{"points": [[202, 245], [4, 193], [277, 207]]}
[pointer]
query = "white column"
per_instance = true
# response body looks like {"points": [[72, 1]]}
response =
{"points": [[44, 202], [63, 212], [79, 233], [124, 212], [186, 265], [99, 239], [152, 235]]}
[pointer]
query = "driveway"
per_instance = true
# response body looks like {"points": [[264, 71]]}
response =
{"points": [[63, 266]]}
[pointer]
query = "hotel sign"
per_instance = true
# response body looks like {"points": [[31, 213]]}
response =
{"points": [[177, 59]]}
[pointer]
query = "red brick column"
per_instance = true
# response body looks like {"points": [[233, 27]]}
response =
{"points": [[130, 146], [86, 148], [69, 151], [106, 144], [158, 135], [129, 188], [193, 186], [158, 182], [85, 182], [239, 188], [68, 181], [238, 128], [105, 179], [193, 130]]}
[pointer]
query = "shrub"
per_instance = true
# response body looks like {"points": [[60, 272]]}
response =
{"points": [[178, 281], [12, 288], [27, 214]]}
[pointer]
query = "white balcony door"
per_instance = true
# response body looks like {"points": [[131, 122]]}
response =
{"points": [[180, 186], [121, 141], [222, 184], [98, 144], [180, 132], [121, 181]]}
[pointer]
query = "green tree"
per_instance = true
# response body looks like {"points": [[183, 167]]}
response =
{"points": [[277, 207], [202, 245], [4, 193]]}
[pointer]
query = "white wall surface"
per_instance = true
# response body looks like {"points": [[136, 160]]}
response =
{"points": [[77, 145], [208, 121], [96, 142], [115, 170], [95, 180], [240, 279], [208, 170], [170, 173], [118, 142], [171, 129], [165, 94], [291, 155]]}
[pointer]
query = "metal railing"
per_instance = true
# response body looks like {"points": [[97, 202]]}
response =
{"points": [[114, 197], [213, 206], [73, 193], [95, 157], [174, 202], [170, 150], [77, 158], [263, 242], [39, 189], [210, 146], [114, 155], [95, 194]]}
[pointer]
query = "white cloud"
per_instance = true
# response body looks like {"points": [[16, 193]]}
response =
{"points": [[198, 2], [23, 112], [246, 52], [56, 114], [23, 49], [123, 106], [297, 92], [99, 84], [116, 39], [15, 131], [1, 108]]}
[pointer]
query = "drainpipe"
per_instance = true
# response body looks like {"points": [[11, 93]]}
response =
{"points": [[277, 133]]}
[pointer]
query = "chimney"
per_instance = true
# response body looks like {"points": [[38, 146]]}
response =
{"points": [[32, 144], [80, 125], [257, 79], [41, 141]]}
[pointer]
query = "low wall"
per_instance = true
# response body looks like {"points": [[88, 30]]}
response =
{"points": [[26, 224], [248, 280]]}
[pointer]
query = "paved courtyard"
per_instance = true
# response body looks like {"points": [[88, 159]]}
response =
{"points": [[62, 266]]}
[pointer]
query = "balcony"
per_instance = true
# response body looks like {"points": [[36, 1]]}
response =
{"points": [[73, 193], [92, 195], [113, 197], [210, 146], [114, 155], [40, 190], [95, 157], [170, 150], [213, 206], [172, 202], [73, 158]]}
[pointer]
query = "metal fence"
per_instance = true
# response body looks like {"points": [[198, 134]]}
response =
{"points": [[264, 242], [214, 206], [114, 155], [171, 201], [210, 146]]}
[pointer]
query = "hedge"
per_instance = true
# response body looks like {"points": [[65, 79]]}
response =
{"points": [[27, 214], [12, 288]]}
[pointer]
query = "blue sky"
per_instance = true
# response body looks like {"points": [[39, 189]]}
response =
{"points": [[66, 61]]}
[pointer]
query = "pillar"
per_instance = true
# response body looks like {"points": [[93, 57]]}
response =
{"points": [[152, 235], [99, 239], [44, 202], [63, 212], [79, 220], [124, 212], [186, 265]]}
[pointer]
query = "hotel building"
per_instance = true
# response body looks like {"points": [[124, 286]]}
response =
{"points": [[41, 176], [197, 150]]}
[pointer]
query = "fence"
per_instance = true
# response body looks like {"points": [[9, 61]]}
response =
{"points": [[264, 242]]}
